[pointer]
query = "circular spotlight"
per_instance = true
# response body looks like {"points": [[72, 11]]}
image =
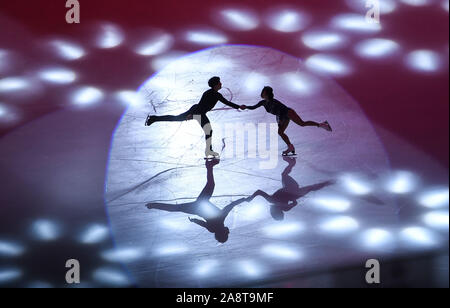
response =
{"points": [[10, 249], [356, 23], [45, 230], [9, 274], [435, 198], [356, 184], [386, 6], [130, 98], [339, 225], [332, 204], [301, 83], [7, 115], [426, 61], [13, 84], [239, 19], [172, 249], [377, 239], [328, 65], [416, 2], [376, 48], [282, 252], [57, 75], [123, 255], [206, 37], [86, 96], [437, 219], [417, 237], [155, 45], [67, 50], [323, 40], [206, 268], [288, 20], [255, 82], [94, 234], [111, 276], [163, 60], [401, 182], [110, 36], [283, 229], [250, 268]]}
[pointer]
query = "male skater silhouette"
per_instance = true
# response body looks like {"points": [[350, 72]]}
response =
{"points": [[198, 112], [214, 217]]}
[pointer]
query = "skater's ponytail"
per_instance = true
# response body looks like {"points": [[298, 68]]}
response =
{"points": [[269, 92]]}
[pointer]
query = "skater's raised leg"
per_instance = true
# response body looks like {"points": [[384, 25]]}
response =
{"points": [[167, 118], [297, 120]]}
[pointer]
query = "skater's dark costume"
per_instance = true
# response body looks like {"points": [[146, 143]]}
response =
{"points": [[198, 112], [214, 217], [286, 198], [284, 115]]}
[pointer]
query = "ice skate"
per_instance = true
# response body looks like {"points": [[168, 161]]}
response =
{"points": [[150, 120], [210, 154], [290, 151], [326, 126]]}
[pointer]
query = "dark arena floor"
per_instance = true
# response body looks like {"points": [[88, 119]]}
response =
{"points": [[84, 179]]}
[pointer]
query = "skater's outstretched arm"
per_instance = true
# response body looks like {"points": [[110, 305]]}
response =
{"points": [[227, 102], [165, 207], [260, 104], [226, 210], [199, 222]]}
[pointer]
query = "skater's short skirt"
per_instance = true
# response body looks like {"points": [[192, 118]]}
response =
{"points": [[283, 117]]}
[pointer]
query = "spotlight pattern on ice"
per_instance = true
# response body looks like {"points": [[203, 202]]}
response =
{"points": [[418, 237], [130, 98], [10, 249], [339, 225], [94, 234], [332, 204], [426, 61], [416, 2], [45, 230], [171, 249], [206, 268], [86, 96], [207, 37], [111, 276], [435, 198], [123, 255], [377, 48], [250, 268], [377, 239], [239, 19], [322, 40], [13, 84], [356, 23], [9, 274], [110, 36], [57, 75], [156, 45], [437, 219], [356, 184], [301, 83], [401, 182], [67, 50], [288, 20], [327, 64], [386, 6], [283, 229], [282, 252]]}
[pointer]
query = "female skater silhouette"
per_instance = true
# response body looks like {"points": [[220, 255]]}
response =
{"points": [[284, 116], [198, 112]]}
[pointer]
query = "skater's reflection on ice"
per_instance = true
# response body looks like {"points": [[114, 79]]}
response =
{"points": [[213, 217], [286, 198]]}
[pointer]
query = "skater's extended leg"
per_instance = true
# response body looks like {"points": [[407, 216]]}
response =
{"points": [[168, 118], [207, 129], [297, 120]]}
